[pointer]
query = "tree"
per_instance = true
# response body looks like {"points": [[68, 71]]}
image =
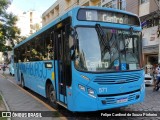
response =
{"points": [[8, 30]]}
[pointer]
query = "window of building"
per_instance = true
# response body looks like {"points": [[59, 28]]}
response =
{"points": [[109, 4], [44, 18], [99, 4], [52, 12], [151, 22], [117, 4], [114, 4], [48, 15], [144, 1], [122, 5], [156, 21], [86, 4]]}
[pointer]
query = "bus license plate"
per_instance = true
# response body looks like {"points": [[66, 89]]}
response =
{"points": [[122, 100]]}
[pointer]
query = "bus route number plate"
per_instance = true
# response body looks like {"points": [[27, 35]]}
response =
{"points": [[122, 100]]}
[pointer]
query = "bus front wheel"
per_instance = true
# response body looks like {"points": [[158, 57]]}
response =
{"points": [[52, 96]]}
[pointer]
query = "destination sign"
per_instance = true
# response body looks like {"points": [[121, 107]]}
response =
{"points": [[107, 16]]}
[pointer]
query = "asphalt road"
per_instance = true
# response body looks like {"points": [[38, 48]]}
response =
{"points": [[19, 99]]}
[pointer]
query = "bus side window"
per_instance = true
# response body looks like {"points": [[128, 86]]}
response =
{"points": [[49, 49], [27, 53], [22, 53]]}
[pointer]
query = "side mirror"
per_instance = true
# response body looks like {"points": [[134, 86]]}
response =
{"points": [[72, 54]]}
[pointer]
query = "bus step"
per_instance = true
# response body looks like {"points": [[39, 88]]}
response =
{"points": [[62, 104]]}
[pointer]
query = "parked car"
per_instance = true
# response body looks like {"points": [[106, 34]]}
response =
{"points": [[1, 66], [148, 79]]}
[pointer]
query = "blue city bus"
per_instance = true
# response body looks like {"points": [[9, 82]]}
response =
{"points": [[88, 59]]}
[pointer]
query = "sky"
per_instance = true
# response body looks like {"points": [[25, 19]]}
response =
{"points": [[40, 6]]}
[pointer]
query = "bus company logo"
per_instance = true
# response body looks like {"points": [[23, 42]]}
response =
{"points": [[121, 81], [6, 114]]}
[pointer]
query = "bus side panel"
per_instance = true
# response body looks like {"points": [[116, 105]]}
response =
{"points": [[40, 75], [25, 72], [46, 74], [35, 75]]}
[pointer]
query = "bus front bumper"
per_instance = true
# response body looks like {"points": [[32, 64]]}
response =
{"points": [[84, 102]]}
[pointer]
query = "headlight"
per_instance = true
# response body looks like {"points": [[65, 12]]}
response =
{"points": [[81, 87], [91, 92]]}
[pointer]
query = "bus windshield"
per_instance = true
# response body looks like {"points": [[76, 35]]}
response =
{"points": [[119, 51]]}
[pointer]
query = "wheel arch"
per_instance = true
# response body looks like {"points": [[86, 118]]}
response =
{"points": [[48, 82]]}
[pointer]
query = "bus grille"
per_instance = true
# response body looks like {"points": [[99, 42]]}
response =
{"points": [[117, 78]]}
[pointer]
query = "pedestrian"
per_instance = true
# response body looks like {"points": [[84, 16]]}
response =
{"points": [[158, 77], [154, 75], [4, 67]]}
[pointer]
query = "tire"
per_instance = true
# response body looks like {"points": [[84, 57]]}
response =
{"points": [[22, 82], [157, 88], [52, 96]]}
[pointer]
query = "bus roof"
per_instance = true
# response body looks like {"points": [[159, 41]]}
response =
{"points": [[72, 13]]}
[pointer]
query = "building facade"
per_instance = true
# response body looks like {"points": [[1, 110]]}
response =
{"points": [[148, 10], [28, 23], [62, 6]]}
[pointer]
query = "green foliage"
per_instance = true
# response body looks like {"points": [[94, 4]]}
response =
{"points": [[8, 30], [4, 5]]}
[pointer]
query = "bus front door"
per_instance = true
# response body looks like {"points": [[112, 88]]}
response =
{"points": [[61, 63]]}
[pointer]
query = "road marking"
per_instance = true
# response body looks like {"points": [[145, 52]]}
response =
{"points": [[36, 98]]}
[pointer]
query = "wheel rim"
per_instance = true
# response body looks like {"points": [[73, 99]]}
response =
{"points": [[52, 94]]}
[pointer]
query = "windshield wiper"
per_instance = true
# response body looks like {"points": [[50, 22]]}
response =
{"points": [[102, 37]]}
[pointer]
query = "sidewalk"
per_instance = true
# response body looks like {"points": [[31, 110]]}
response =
{"points": [[18, 100], [2, 105]]}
